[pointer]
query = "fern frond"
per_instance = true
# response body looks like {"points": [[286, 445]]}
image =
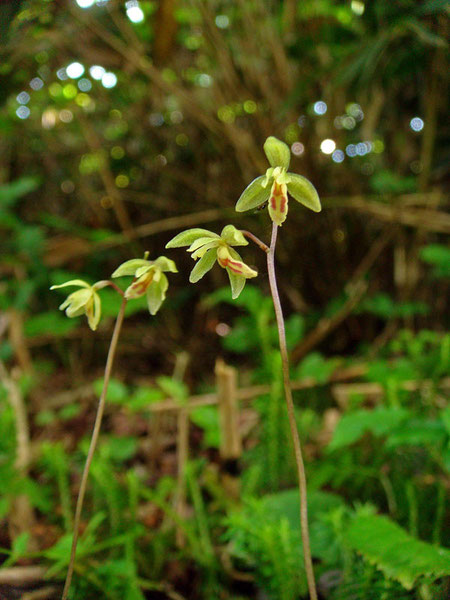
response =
{"points": [[395, 552]]}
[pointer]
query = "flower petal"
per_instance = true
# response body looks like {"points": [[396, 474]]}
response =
{"points": [[254, 195], [202, 241], [204, 265], [233, 236], [130, 267], [185, 238], [229, 259], [76, 301], [156, 294], [278, 203], [277, 152], [165, 264], [203, 249], [237, 283], [144, 269], [78, 282], [140, 286], [93, 311], [304, 192]]}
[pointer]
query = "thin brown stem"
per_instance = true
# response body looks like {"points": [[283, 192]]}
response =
{"points": [[93, 444], [291, 414], [264, 247]]}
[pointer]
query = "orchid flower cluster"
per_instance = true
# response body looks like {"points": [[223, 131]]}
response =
{"points": [[206, 247]]}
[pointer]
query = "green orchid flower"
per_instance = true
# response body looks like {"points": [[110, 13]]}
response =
{"points": [[84, 301], [273, 187], [149, 279], [208, 247]]}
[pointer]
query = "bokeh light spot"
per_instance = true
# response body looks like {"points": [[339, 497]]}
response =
{"points": [[250, 106], [338, 156], [297, 148], [36, 83], [67, 186], [320, 107], [222, 21], [97, 72], [122, 180], [69, 91], [23, 112], [61, 74], [328, 146], [134, 11], [55, 89], [416, 124], [23, 98], [66, 116], [226, 114], [85, 3], [117, 152], [182, 139], [84, 85], [74, 70], [109, 80]]}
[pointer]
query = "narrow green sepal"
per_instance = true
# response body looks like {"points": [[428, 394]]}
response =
{"points": [[156, 294], [304, 192], [186, 238], [254, 195], [233, 236], [130, 267], [237, 283], [203, 265], [165, 264], [277, 152], [78, 282]]}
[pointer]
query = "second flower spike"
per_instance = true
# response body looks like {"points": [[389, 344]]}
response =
{"points": [[208, 247], [149, 279]]}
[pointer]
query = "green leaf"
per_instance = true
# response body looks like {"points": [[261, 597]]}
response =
{"points": [[11, 192], [353, 426], [304, 192], [237, 283], [156, 294], [143, 397], [48, 323], [394, 551], [316, 366], [254, 195], [117, 391], [203, 265], [207, 418], [173, 388], [418, 432], [437, 255], [277, 152], [186, 238], [233, 236]]}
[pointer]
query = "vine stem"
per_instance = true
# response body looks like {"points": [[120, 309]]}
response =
{"points": [[93, 445], [291, 414]]}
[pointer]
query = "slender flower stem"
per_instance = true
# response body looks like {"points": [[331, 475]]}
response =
{"points": [[116, 287], [255, 239], [93, 444], [291, 414]]}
